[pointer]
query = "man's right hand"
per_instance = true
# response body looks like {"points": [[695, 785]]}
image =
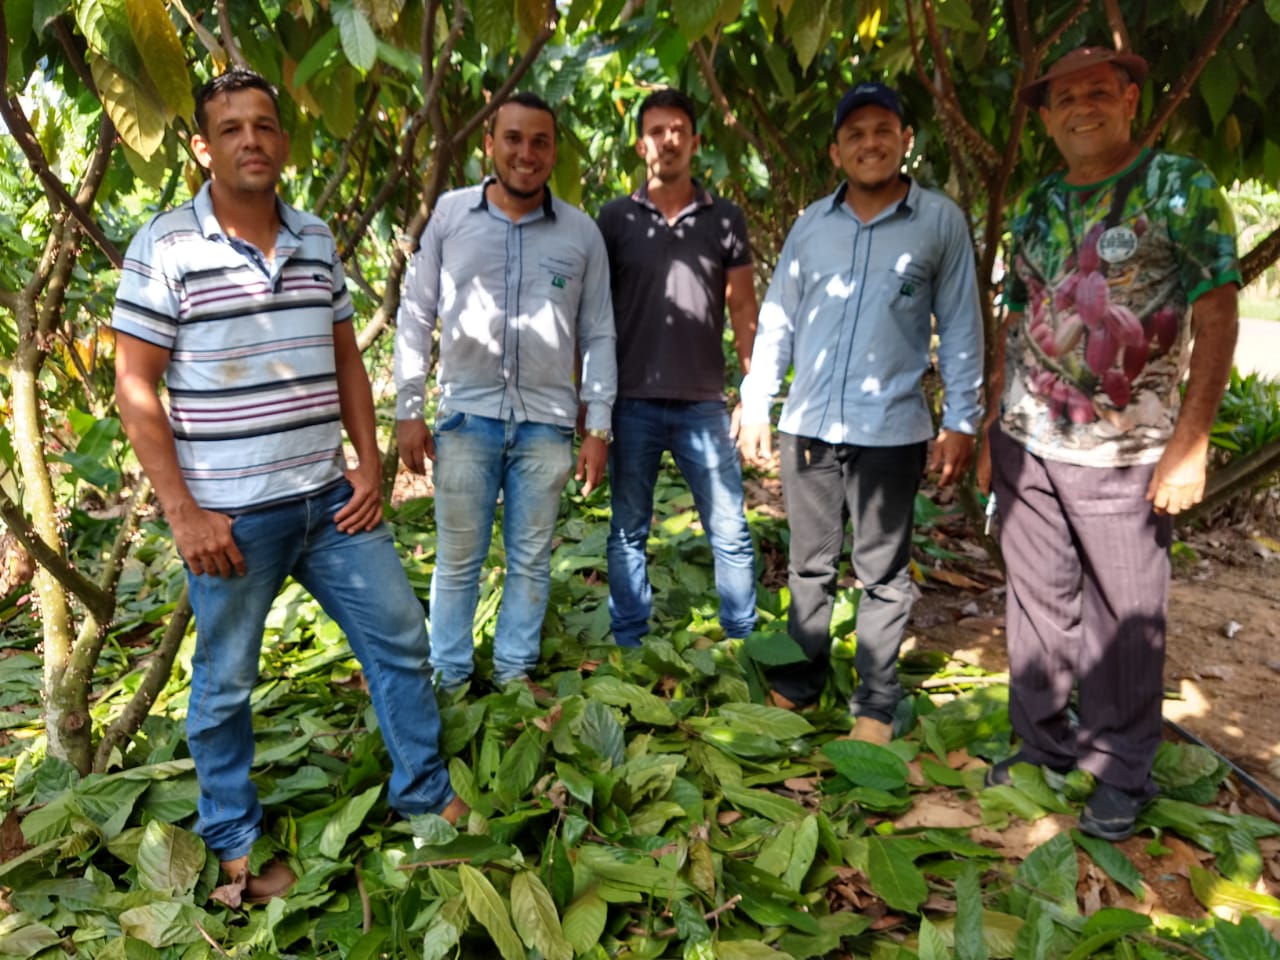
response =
{"points": [[416, 444], [203, 537], [755, 442]]}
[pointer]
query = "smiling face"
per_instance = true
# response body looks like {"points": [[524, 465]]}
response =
{"points": [[522, 144], [870, 147], [1088, 114], [242, 146], [666, 143]]}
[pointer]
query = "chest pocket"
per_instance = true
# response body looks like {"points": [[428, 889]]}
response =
{"points": [[908, 288], [559, 279]]}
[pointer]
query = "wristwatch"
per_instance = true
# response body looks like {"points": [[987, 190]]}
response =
{"points": [[600, 433]]}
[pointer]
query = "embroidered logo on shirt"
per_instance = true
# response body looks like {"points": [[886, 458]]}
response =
{"points": [[559, 281], [908, 289]]}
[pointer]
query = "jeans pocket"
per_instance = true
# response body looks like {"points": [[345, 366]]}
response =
{"points": [[447, 420]]}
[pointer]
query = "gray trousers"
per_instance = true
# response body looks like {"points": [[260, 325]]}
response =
{"points": [[1088, 593], [824, 486]]}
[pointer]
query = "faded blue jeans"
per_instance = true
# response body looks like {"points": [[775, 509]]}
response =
{"points": [[358, 580], [697, 434], [476, 459]]}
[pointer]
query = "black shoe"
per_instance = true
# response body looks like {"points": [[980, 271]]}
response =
{"points": [[998, 774], [1111, 813]]}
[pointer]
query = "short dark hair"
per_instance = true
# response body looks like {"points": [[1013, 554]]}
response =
{"points": [[234, 80], [524, 99], [667, 97]]}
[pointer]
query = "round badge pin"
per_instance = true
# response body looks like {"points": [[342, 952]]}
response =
{"points": [[1117, 244]]}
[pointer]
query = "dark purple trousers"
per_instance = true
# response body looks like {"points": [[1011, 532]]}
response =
{"points": [[1088, 593]]}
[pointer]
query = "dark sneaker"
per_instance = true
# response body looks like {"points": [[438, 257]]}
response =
{"points": [[998, 775], [1111, 813]]}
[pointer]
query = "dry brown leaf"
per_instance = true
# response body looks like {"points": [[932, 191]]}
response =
{"points": [[940, 810], [1020, 838]]}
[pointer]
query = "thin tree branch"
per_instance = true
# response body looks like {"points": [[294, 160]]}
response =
{"points": [[717, 92], [344, 158], [1115, 23], [955, 125], [1262, 256], [159, 669], [513, 78], [19, 127], [95, 600], [228, 35], [1188, 76]]}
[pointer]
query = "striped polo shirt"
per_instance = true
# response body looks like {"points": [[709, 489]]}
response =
{"points": [[253, 396]]}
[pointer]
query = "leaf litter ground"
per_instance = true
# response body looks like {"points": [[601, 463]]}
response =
{"points": [[652, 806]]}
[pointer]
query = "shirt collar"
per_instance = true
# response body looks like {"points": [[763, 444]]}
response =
{"points": [[701, 197], [548, 205], [905, 206], [202, 203]]}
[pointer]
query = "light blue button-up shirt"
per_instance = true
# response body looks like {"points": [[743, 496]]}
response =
{"points": [[516, 301], [849, 307]]}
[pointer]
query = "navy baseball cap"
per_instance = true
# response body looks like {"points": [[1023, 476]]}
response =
{"points": [[862, 94]]}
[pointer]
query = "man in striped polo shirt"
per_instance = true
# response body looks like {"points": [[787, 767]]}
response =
{"points": [[237, 301]]}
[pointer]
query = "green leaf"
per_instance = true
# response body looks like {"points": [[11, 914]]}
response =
{"points": [[931, 945], [802, 854], [1104, 927], [346, 820], [969, 943], [768, 805], [487, 907], [165, 62], [1113, 862], [358, 40], [809, 24], [442, 934], [170, 859], [584, 921], [644, 706], [1182, 764], [868, 764], [535, 917], [599, 729], [748, 950], [769, 721], [165, 923], [632, 871], [519, 767], [22, 937], [1214, 891], [494, 20], [1050, 870], [319, 56], [1219, 83], [579, 785], [893, 875], [695, 17], [1273, 9], [773, 649], [104, 24], [133, 108]]}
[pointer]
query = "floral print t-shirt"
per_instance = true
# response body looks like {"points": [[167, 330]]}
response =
{"points": [[1104, 276]]}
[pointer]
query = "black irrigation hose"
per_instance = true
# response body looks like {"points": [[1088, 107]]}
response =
{"points": [[1244, 776]]}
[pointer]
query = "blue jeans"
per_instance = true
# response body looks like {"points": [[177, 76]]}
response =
{"points": [[360, 583], [697, 434], [476, 458]]}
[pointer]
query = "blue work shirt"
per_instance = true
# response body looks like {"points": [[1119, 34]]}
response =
{"points": [[849, 307], [516, 302]]}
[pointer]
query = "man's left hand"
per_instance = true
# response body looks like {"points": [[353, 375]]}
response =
{"points": [[1178, 481], [592, 456], [364, 510], [951, 454]]}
